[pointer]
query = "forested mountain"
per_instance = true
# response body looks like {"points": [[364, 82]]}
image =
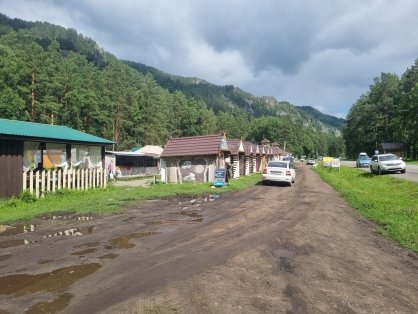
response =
{"points": [[224, 98], [387, 113], [50, 74]]}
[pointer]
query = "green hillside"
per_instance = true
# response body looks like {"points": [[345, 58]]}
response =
{"points": [[50, 74], [223, 98]]}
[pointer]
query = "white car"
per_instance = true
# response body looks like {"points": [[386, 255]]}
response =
{"points": [[279, 171], [387, 163]]}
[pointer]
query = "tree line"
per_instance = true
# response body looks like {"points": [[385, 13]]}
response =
{"points": [[53, 75], [386, 113]]}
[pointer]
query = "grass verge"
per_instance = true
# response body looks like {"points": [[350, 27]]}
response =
{"points": [[110, 199], [390, 202]]}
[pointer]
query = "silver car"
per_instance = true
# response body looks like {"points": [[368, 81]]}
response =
{"points": [[387, 163]]}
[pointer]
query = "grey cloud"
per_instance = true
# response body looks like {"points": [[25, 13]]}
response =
{"points": [[311, 52]]}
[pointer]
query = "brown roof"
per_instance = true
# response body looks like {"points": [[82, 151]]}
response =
{"points": [[400, 146], [247, 148], [195, 146], [233, 145]]}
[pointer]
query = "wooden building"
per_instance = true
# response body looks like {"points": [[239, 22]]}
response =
{"points": [[30, 153], [193, 159], [393, 148], [237, 154], [142, 162]]}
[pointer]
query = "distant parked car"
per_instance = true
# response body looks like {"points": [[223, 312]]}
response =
{"points": [[289, 159], [387, 163], [363, 160], [279, 171], [311, 161]]}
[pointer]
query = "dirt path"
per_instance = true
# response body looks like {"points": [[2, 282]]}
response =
{"points": [[269, 249]]}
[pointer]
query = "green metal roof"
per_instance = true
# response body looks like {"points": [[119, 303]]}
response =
{"points": [[46, 132]]}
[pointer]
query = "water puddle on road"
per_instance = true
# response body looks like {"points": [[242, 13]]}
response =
{"points": [[46, 261], [54, 306], [84, 252], [5, 257], [12, 243], [17, 229], [87, 245], [68, 217], [71, 232], [197, 217], [109, 256], [55, 281], [122, 242]]}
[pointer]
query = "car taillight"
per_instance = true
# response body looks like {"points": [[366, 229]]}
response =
{"points": [[288, 173], [265, 171]]}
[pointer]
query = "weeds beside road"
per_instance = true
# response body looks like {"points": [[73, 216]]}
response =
{"points": [[390, 202]]}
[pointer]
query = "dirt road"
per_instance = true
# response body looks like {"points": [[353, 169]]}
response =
{"points": [[269, 249]]}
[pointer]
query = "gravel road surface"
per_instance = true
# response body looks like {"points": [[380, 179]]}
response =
{"points": [[268, 249]]}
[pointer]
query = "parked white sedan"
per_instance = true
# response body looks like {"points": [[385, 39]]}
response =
{"points": [[387, 163], [279, 171]]}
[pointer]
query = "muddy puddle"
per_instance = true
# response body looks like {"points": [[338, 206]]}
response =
{"points": [[195, 215], [54, 306], [5, 257], [11, 243], [17, 229], [109, 256], [71, 232], [122, 242], [68, 217], [84, 252], [55, 281]]}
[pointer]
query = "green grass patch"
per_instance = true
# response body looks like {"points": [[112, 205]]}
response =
{"points": [[411, 162], [110, 199], [390, 202]]}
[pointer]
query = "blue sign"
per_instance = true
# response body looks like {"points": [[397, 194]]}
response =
{"points": [[219, 177]]}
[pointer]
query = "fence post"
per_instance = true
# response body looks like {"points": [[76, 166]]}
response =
{"points": [[24, 180], [31, 182], [82, 179], [48, 180], [54, 177], [37, 182], [42, 183]]}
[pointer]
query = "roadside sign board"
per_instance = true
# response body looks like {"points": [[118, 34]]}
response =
{"points": [[327, 161], [336, 163], [219, 177]]}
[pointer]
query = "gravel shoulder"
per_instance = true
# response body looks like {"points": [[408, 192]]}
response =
{"points": [[269, 249]]}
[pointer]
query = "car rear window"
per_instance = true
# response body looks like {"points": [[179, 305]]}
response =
{"points": [[277, 164]]}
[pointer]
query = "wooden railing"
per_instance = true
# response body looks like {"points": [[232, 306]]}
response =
{"points": [[41, 182]]}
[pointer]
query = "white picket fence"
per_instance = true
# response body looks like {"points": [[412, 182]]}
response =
{"points": [[41, 182]]}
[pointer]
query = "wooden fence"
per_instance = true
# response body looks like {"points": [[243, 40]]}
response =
{"points": [[41, 182]]}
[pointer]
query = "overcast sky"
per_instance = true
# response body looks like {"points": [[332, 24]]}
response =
{"points": [[320, 53]]}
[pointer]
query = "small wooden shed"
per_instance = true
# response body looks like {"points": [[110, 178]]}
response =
{"points": [[193, 159], [26, 147], [393, 148], [237, 154]]}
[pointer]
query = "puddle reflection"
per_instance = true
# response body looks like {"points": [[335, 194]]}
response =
{"points": [[53, 306], [56, 280], [12, 243], [83, 252], [71, 232], [122, 242], [18, 229], [109, 256]]}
